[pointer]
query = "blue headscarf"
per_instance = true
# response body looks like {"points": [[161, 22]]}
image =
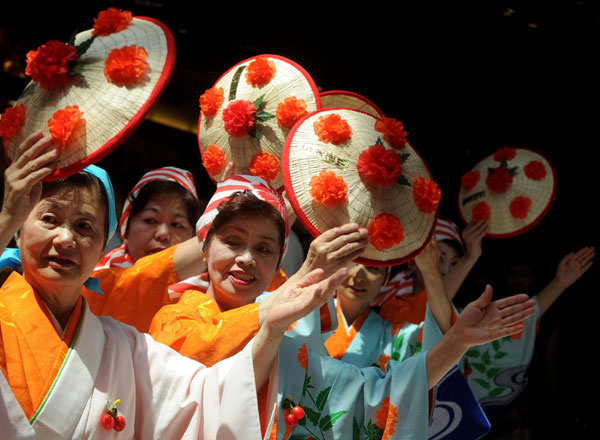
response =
{"points": [[11, 257]]}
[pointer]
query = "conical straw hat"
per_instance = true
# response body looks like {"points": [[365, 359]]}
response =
{"points": [[344, 98], [516, 199], [307, 155], [288, 80], [110, 112]]}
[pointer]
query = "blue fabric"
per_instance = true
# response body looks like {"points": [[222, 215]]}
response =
{"points": [[11, 257]]}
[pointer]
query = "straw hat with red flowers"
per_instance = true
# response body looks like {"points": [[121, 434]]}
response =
{"points": [[92, 92]]}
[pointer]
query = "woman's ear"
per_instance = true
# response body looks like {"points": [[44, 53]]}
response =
{"points": [[203, 257]]}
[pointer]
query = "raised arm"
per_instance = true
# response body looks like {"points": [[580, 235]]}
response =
{"points": [[569, 270], [480, 322], [472, 236]]}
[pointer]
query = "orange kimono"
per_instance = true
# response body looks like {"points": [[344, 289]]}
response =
{"points": [[405, 308]]}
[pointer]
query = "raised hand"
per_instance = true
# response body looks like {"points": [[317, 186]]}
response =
{"points": [[574, 265], [428, 260], [472, 236]]}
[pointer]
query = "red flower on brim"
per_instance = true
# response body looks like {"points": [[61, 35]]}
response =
{"points": [[426, 194], [385, 230], [481, 212], [239, 118], [379, 166], [498, 179], [535, 170], [519, 207], [125, 66], [110, 21], [470, 179], [290, 110], [333, 129], [265, 165], [211, 101], [260, 72], [49, 65], [63, 123], [393, 131], [213, 160], [328, 189], [505, 153], [12, 121]]}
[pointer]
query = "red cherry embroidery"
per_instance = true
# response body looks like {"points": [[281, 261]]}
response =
{"points": [[119, 423], [291, 420], [298, 412], [107, 421]]}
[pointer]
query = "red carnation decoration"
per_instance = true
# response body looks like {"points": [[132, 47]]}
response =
{"points": [[385, 231], [379, 166], [505, 153], [332, 128], [470, 179], [12, 121], [499, 179], [110, 21], [290, 110], [213, 160], [535, 170], [260, 72], [328, 189], [265, 165], [239, 118], [211, 101], [519, 207], [393, 132], [49, 64], [481, 212], [126, 65], [63, 123], [426, 194]]}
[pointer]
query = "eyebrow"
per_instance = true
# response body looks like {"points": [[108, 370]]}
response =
{"points": [[154, 209], [51, 205], [245, 232]]}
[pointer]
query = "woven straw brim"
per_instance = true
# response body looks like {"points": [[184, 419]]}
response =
{"points": [[502, 223], [290, 80], [343, 98], [306, 156], [110, 112]]}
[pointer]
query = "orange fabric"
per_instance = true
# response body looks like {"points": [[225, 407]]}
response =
{"points": [[337, 344], [278, 279], [197, 328], [134, 294], [408, 308], [31, 349], [326, 321]]}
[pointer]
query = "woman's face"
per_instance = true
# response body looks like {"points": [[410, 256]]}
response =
{"points": [[161, 224], [242, 257], [363, 284], [448, 257], [62, 240]]}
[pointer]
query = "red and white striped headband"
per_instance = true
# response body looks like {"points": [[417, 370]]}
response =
{"points": [[259, 187], [173, 174], [402, 284], [448, 230]]}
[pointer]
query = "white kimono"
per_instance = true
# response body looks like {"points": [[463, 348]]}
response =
{"points": [[163, 394]]}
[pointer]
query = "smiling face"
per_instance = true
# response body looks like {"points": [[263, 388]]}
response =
{"points": [[362, 285], [62, 240], [242, 256], [163, 222]]}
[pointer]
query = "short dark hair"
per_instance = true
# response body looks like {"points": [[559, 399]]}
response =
{"points": [[193, 206], [243, 204], [81, 179]]}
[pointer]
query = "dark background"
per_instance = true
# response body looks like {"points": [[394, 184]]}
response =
{"points": [[464, 79]]}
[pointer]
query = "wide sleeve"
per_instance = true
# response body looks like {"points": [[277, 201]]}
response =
{"points": [[133, 295], [196, 328]]}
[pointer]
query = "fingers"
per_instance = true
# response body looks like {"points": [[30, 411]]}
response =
{"points": [[485, 298], [476, 230], [518, 316], [508, 331], [585, 256], [329, 285], [311, 278], [31, 148], [510, 300]]}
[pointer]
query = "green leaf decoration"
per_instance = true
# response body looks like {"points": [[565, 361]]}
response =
{"points": [[355, 430], [479, 367], [507, 338], [234, 82], [329, 420], [322, 398], [264, 116], [513, 171], [373, 431], [492, 372], [77, 69], [258, 101], [486, 358], [403, 157], [378, 141], [496, 345], [302, 421], [83, 47], [306, 386], [472, 353], [312, 415], [71, 40], [500, 354], [397, 346], [254, 134], [483, 383], [403, 181], [496, 392]]}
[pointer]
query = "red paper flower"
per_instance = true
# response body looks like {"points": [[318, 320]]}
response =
{"points": [[211, 101], [265, 165], [260, 72], [385, 231], [213, 160], [332, 128], [239, 118], [379, 166], [393, 131], [505, 153], [426, 194], [110, 21], [481, 212], [12, 121], [498, 179], [329, 189], [49, 64], [290, 110], [470, 179], [519, 207], [535, 170], [63, 123], [126, 65]]}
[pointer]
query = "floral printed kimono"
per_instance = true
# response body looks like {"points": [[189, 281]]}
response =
{"points": [[57, 384]]}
